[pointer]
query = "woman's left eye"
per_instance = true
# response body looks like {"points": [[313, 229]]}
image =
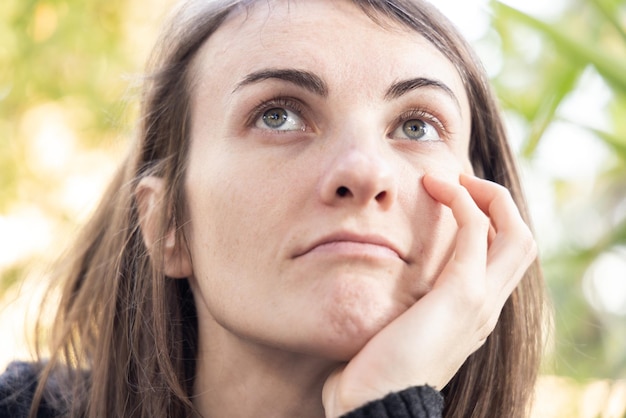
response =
{"points": [[280, 119], [416, 130]]}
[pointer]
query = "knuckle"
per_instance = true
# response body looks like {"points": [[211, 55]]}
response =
{"points": [[501, 190], [488, 325], [502, 197], [491, 323], [527, 243], [483, 221], [501, 193], [478, 218]]}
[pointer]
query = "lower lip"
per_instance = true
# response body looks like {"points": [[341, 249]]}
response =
{"points": [[354, 250]]}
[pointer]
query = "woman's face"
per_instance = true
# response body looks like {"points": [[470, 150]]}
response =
{"points": [[312, 127]]}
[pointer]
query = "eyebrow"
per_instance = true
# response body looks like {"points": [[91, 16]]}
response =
{"points": [[300, 78], [405, 86], [313, 83]]}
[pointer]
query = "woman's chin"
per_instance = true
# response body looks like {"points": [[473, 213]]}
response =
{"points": [[349, 328]]}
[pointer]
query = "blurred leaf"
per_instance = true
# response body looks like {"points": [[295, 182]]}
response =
{"points": [[561, 86], [11, 276], [610, 14], [589, 32], [617, 144], [578, 50]]}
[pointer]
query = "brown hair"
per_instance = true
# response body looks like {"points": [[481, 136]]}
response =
{"points": [[135, 332]]}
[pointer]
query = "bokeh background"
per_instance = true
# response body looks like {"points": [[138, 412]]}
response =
{"points": [[69, 76]]}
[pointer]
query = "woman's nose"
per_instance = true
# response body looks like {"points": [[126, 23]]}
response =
{"points": [[359, 175]]}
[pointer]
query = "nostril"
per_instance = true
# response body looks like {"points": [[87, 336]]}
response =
{"points": [[343, 191], [381, 196]]}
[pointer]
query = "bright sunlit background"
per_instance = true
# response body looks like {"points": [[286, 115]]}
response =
{"points": [[68, 78]]}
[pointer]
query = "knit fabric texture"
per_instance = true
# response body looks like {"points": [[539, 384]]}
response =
{"points": [[414, 402], [17, 389], [18, 384]]}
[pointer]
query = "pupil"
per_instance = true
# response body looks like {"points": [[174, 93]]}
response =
{"points": [[275, 118], [414, 129]]}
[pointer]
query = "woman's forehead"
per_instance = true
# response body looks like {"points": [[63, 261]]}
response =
{"points": [[335, 40]]}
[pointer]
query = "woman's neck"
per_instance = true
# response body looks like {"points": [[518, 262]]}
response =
{"points": [[239, 379]]}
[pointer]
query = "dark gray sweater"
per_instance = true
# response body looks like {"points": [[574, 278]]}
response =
{"points": [[18, 383]]}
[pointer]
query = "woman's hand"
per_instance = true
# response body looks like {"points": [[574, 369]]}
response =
{"points": [[429, 342]]}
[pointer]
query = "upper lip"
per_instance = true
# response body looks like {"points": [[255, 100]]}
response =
{"points": [[352, 237]]}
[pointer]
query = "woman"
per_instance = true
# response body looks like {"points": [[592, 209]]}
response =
{"points": [[321, 217]]}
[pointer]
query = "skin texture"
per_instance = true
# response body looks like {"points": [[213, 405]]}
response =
{"points": [[324, 252]]}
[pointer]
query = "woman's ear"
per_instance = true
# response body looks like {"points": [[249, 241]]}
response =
{"points": [[149, 193]]}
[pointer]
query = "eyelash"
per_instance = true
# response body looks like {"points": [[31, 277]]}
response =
{"points": [[425, 115], [288, 103], [294, 105]]}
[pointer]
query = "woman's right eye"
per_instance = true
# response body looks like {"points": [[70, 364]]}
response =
{"points": [[280, 119]]}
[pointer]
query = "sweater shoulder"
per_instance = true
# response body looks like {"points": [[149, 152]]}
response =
{"points": [[18, 384], [17, 389], [414, 402]]}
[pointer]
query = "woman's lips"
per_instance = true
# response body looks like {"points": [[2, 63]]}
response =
{"points": [[354, 249], [353, 245]]}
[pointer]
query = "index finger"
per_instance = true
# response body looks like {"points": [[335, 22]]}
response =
{"points": [[472, 235], [495, 201]]}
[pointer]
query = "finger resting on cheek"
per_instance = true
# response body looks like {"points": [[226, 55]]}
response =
{"points": [[446, 192], [495, 201], [472, 235], [458, 199], [484, 192], [471, 248], [440, 189], [474, 226], [510, 256]]}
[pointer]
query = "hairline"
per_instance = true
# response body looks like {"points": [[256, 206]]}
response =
{"points": [[193, 73]]}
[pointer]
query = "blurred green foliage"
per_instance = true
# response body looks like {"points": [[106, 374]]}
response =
{"points": [[74, 53], [589, 36], [69, 52]]}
